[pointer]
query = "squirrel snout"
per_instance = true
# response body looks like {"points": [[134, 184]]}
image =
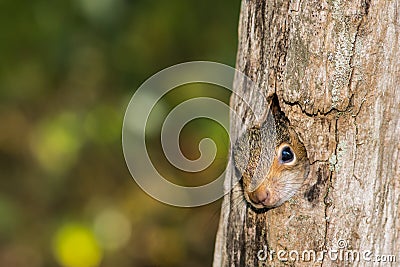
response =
{"points": [[261, 196]]}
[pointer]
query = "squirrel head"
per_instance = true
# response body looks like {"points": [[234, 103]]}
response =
{"points": [[272, 161]]}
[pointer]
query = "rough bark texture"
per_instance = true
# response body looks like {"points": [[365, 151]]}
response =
{"points": [[335, 67]]}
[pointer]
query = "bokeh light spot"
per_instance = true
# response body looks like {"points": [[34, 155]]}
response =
{"points": [[56, 142], [100, 9], [76, 246], [112, 229]]}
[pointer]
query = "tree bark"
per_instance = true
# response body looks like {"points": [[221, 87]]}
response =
{"points": [[335, 68]]}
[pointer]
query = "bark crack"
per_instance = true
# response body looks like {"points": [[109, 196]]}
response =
{"points": [[327, 199], [318, 161], [311, 115], [365, 5]]}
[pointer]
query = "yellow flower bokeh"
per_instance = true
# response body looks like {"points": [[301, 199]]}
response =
{"points": [[76, 246]]}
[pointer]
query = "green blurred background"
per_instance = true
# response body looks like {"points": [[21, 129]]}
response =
{"points": [[67, 72]]}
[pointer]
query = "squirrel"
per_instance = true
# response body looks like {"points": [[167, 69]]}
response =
{"points": [[271, 159]]}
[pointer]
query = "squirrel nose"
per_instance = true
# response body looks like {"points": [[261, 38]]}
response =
{"points": [[261, 196]]}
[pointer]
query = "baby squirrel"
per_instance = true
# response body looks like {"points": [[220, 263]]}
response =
{"points": [[272, 161]]}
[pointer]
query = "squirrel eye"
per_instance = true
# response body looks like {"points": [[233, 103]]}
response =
{"points": [[287, 155]]}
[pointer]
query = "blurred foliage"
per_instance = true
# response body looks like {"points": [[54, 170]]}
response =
{"points": [[67, 72]]}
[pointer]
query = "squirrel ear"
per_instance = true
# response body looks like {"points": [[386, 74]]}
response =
{"points": [[275, 107], [272, 108]]}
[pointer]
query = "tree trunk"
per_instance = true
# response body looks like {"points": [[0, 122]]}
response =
{"points": [[335, 68]]}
